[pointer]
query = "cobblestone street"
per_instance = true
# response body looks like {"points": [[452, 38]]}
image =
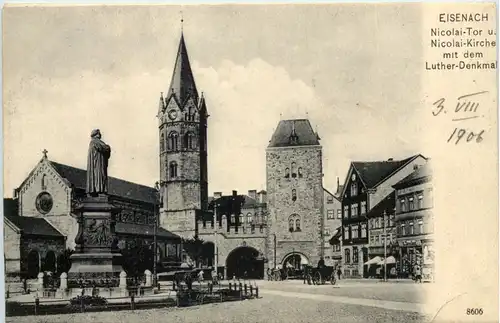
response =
{"points": [[288, 301]]}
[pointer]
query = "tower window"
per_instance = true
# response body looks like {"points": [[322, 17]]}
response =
{"points": [[173, 138], [294, 195], [287, 172], [294, 170], [300, 172], [173, 169], [162, 142], [294, 223], [189, 141]]}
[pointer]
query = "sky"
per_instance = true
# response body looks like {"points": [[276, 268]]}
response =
{"points": [[351, 69]]}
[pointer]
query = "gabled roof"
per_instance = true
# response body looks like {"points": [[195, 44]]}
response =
{"points": [[33, 226], [387, 204], [182, 84], [248, 202], [374, 172], [422, 174], [117, 187], [296, 132]]}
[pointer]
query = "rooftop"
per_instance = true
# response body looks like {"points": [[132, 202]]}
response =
{"points": [[297, 132]]}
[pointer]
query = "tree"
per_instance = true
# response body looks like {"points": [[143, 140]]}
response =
{"points": [[137, 257], [64, 261], [198, 250]]}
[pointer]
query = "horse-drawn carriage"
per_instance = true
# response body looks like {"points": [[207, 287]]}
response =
{"points": [[319, 275], [311, 275]]}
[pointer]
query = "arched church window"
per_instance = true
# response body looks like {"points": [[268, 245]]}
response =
{"points": [[233, 219], [297, 224], [294, 195], [294, 170], [173, 169], [241, 219], [173, 138], [162, 142], [291, 225], [300, 172], [287, 172], [189, 141]]}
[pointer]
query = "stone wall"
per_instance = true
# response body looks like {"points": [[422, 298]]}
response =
{"points": [[12, 249], [181, 223], [307, 207]]}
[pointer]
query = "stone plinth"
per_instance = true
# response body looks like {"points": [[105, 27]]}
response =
{"points": [[97, 260]]}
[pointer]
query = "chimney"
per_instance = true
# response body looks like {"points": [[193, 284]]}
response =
{"points": [[252, 194], [262, 196], [217, 195], [390, 159], [235, 193], [338, 183]]}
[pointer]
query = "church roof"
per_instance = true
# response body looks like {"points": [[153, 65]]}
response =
{"points": [[182, 83], [296, 132], [117, 187], [33, 226], [373, 172], [143, 230]]}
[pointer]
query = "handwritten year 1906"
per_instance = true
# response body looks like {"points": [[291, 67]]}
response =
{"points": [[466, 108]]}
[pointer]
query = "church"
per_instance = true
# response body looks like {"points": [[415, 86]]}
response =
{"points": [[285, 225]]}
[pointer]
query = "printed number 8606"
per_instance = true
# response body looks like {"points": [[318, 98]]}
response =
{"points": [[474, 311]]}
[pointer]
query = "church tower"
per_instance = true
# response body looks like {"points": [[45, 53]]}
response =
{"points": [[183, 149]]}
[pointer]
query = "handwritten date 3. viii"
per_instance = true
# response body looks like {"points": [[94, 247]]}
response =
{"points": [[466, 109]]}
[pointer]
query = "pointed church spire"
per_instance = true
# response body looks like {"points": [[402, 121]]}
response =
{"points": [[182, 83]]}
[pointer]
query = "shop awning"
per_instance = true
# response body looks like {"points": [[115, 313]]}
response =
{"points": [[335, 239], [375, 260], [389, 260]]}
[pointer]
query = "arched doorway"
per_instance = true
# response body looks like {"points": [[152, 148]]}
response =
{"points": [[295, 260], [49, 262], [33, 264], [245, 260]]}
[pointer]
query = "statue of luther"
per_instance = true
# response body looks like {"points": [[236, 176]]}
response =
{"points": [[97, 165]]}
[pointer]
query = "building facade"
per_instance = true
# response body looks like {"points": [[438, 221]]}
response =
{"points": [[415, 223], [333, 224], [366, 185]]}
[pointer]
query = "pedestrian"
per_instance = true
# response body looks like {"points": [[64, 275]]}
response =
{"points": [[418, 274], [200, 276], [339, 272], [215, 280]]}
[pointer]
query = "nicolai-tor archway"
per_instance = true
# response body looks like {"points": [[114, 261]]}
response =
{"points": [[295, 260], [245, 262]]}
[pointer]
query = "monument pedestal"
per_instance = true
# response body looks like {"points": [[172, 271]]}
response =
{"points": [[97, 261]]}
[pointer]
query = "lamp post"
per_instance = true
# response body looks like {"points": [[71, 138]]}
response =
{"points": [[385, 247], [158, 186], [216, 251]]}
